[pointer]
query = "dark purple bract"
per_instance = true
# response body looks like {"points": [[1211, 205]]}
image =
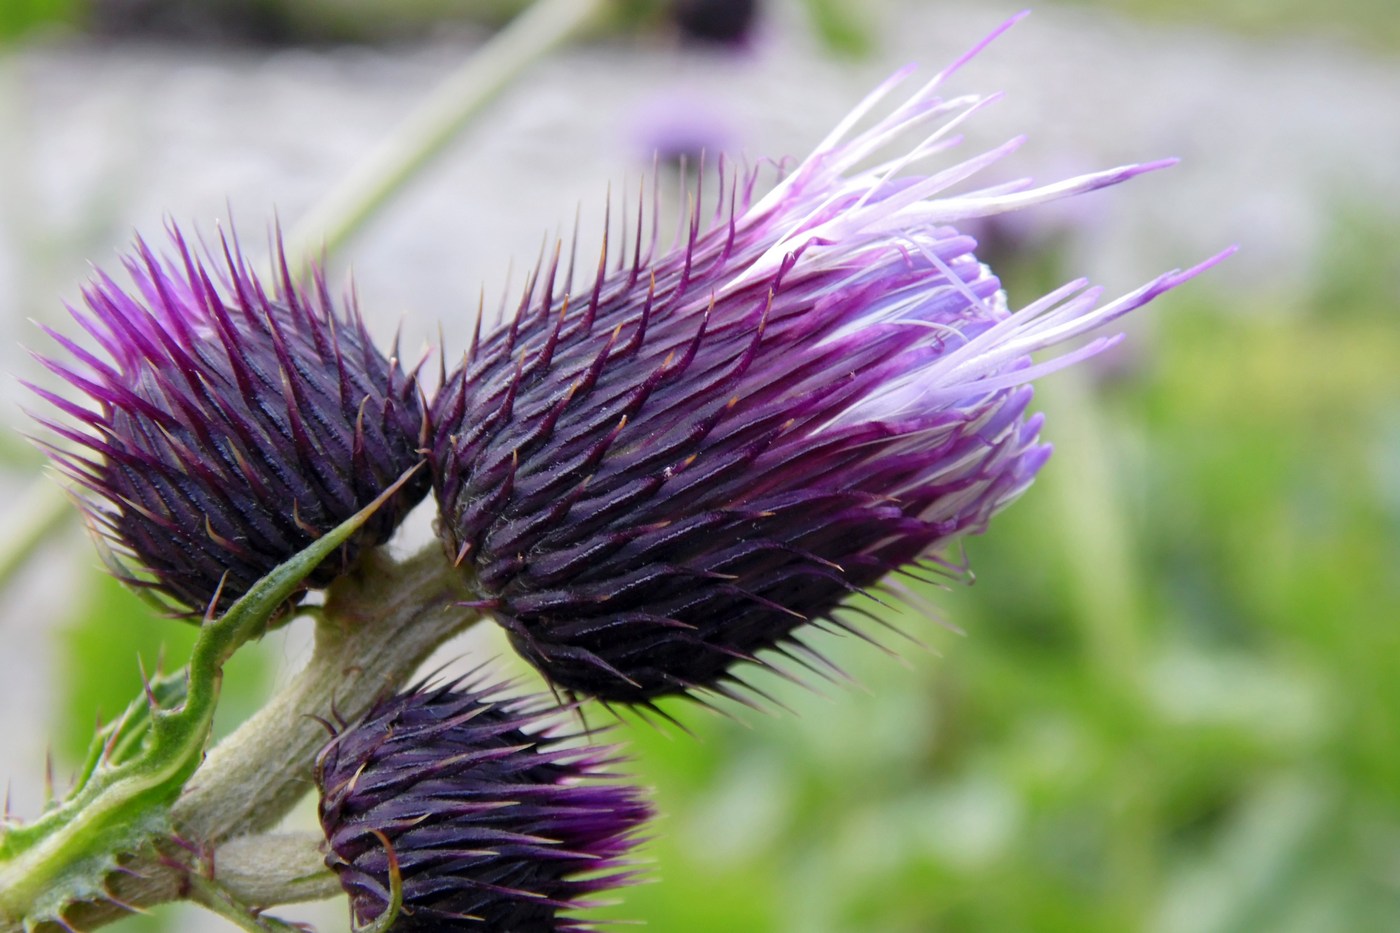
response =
{"points": [[496, 820], [230, 426]]}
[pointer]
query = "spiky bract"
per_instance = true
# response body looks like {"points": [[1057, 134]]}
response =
{"points": [[229, 425], [494, 820], [705, 450]]}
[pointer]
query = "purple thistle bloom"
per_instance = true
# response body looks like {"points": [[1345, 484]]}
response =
{"points": [[229, 427], [495, 820], [704, 451]]}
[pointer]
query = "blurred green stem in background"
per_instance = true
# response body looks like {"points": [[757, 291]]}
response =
{"points": [[43, 507], [438, 120], [366, 189], [1102, 564], [1103, 580]]}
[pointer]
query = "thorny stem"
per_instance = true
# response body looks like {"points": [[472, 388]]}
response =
{"points": [[54, 859], [379, 625], [217, 899]]}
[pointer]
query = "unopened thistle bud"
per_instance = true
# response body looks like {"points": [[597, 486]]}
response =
{"points": [[490, 817], [704, 451], [228, 426]]}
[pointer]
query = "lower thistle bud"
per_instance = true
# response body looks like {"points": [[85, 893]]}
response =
{"points": [[709, 449], [480, 813], [231, 426]]}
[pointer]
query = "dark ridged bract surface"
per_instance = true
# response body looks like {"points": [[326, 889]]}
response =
{"points": [[230, 426], [699, 452], [496, 821]]}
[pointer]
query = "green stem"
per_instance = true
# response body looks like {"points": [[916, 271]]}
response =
{"points": [[1104, 576], [380, 624], [275, 868], [426, 132], [1102, 566], [66, 854], [217, 899], [44, 508]]}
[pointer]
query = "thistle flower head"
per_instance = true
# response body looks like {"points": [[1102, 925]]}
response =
{"points": [[491, 819], [229, 426], [704, 450]]}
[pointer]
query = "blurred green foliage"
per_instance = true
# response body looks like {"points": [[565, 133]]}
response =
{"points": [[1373, 24], [19, 17]]}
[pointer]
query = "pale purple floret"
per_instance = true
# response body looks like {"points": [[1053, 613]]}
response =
{"points": [[229, 426], [493, 818], [701, 453]]}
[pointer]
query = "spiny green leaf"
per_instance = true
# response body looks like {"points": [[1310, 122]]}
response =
{"points": [[67, 853]]}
